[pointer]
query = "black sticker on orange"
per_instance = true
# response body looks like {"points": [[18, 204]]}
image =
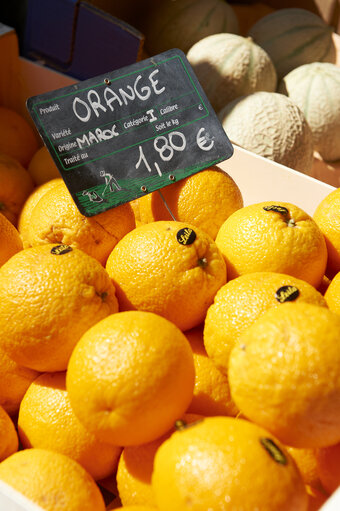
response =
{"points": [[287, 294], [278, 209], [273, 450], [186, 236], [61, 249]]}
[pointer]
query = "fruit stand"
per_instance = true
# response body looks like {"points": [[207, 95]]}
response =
{"points": [[259, 179]]}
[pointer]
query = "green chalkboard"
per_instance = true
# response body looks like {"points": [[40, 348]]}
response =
{"points": [[129, 132]]}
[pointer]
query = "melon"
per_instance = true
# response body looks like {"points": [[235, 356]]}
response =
{"points": [[294, 37], [271, 125], [315, 88], [229, 65], [181, 23]]}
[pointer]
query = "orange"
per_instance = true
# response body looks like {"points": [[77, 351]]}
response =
{"points": [[56, 219], [205, 199], [171, 268], [15, 186], [284, 374], [332, 294], [273, 236], [17, 138], [42, 167], [211, 391], [135, 207], [225, 463], [9, 442], [10, 241], [24, 221], [14, 381], [52, 480], [49, 296], [328, 466], [130, 377], [242, 300], [136, 508], [307, 464], [327, 216], [46, 420], [135, 469], [316, 498]]}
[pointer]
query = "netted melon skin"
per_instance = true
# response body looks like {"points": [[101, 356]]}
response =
{"points": [[229, 66], [271, 125], [315, 88], [293, 37]]}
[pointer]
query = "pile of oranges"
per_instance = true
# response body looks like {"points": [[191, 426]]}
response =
{"points": [[188, 364]]}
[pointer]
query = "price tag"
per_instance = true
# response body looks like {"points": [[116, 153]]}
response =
{"points": [[129, 132]]}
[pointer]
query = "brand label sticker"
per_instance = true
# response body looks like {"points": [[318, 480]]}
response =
{"points": [[273, 450], [61, 249], [186, 236], [278, 209], [287, 294]]}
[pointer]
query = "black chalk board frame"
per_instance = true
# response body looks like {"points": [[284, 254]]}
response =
{"points": [[119, 136]]}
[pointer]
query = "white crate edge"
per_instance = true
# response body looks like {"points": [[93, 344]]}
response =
{"points": [[11, 500], [261, 179]]}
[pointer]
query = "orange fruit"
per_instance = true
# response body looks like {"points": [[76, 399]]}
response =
{"points": [[130, 377], [42, 167], [327, 216], [242, 300], [135, 469], [328, 466], [284, 374], [24, 221], [46, 420], [135, 207], [136, 508], [332, 294], [205, 199], [14, 381], [10, 241], [211, 391], [52, 295], [17, 138], [273, 236], [226, 463], [52, 480], [15, 186], [9, 442], [316, 498], [307, 464], [56, 219], [171, 268]]}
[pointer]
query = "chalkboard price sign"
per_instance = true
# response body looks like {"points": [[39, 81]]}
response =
{"points": [[122, 135]]}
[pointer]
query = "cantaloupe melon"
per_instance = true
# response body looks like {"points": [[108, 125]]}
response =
{"points": [[271, 125], [315, 88], [294, 37], [229, 66], [181, 23]]}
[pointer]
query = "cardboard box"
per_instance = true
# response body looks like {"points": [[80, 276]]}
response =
{"points": [[78, 38], [258, 178]]}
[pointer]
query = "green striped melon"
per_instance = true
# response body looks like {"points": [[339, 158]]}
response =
{"points": [[229, 66], [271, 125], [294, 37], [315, 88], [181, 23]]}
